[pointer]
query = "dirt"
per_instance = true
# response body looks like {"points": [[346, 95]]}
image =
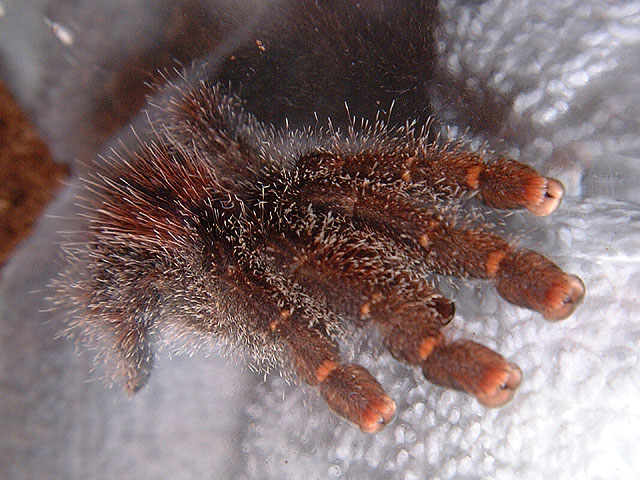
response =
{"points": [[28, 175]]}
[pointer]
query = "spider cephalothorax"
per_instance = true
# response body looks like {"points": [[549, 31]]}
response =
{"points": [[222, 229]]}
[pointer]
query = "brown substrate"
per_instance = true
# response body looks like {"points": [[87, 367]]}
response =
{"points": [[28, 175]]}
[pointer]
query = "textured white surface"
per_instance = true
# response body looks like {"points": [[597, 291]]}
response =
{"points": [[575, 415], [573, 69]]}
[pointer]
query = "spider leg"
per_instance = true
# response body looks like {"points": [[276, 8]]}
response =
{"points": [[451, 170], [132, 355], [267, 301], [468, 366], [502, 183], [408, 312], [413, 335], [522, 277], [349, 389]]}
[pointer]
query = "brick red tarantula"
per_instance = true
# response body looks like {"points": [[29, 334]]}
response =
{"points": [[223, 228]]}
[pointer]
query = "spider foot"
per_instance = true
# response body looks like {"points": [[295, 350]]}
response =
{"points": [[353, 393], [475, 369], [545, 198], [135, 377], [510, 184], [563, 297], [498, 383], [131, 359], [530, 280]]}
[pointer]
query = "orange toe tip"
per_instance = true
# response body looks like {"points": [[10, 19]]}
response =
{"points": [[551, 199], [378, 415], [562, 299], [504, 388]]}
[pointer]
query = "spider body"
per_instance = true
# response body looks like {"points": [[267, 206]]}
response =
{"points": [[222, 228]]}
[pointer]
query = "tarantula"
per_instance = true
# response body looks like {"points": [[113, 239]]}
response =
{"points": [[221, 227]]}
